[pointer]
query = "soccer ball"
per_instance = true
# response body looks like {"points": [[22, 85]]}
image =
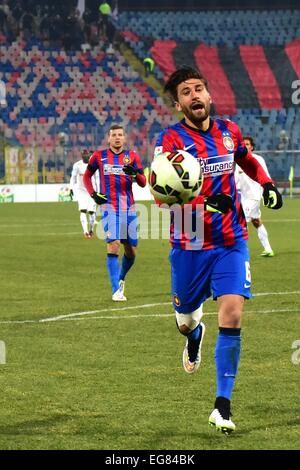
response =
{"points": [[175, 177]]}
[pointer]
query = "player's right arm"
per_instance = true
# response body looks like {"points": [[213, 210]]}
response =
{"points": [[73, 179], [92, 167]]}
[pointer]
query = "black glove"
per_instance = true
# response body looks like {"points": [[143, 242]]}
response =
{"points": [[71, 194], [130, 170], [99, 198], [271, 196], [218, 203]]}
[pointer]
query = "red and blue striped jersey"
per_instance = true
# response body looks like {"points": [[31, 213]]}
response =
{"points": [[114, 183], [216, 149]]}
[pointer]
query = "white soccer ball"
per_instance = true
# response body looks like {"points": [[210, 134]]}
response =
{"points": [[175, 177]]}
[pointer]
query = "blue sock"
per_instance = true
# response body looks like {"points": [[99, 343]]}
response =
{"points": [[194, 338], [126, 265], [227, 355], [112, 262]]}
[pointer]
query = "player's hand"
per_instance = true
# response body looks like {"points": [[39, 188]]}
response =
{"points": [[99, 198], [271, 196], [71, 194], [130, 170], [221, 203]]}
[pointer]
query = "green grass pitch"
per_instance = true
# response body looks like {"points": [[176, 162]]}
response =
{"points": [[112, 378]]}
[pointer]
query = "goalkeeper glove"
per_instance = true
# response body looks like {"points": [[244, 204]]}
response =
{"points": [[71, 194], [218, 203], [271, 196], [130, 170], [99, 198]]}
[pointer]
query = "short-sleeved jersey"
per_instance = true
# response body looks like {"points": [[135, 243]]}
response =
{"points": [[216, 149], [76, 180], [114, 183], [250, 189]]}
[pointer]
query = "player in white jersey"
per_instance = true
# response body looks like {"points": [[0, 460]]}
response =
{"points": [[251, 194], [86, 205]]}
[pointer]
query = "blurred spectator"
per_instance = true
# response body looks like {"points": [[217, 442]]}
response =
{"points": [[28, 25], [283, 140], [3, 18], [104, 14], [149, 65], [104, 9], [16, 10], [88, 16], [56, 30], [45, 26], [73, 34], [59, 23]]}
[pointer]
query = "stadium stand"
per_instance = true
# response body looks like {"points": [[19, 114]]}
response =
{"points": [[56, 86]]}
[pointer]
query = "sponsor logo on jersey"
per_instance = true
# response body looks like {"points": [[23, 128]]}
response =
{"points": [[113, 169], [218, 165], [176, 300], [228, 143]]}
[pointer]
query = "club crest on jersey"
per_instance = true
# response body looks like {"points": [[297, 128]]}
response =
{"points": [[126, 160], [228, 143], [176, 300]]}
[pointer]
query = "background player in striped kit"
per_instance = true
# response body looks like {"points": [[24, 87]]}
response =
{"points": [[251, 194], [219, 266], [86, 205], [118, 168]]}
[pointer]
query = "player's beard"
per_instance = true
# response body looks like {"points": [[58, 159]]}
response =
{"points": [[194, 116]]}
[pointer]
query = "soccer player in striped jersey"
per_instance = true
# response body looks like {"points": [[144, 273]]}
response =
{"points": [[251, 194], [219, 266], [86, 205], [118, 168]]}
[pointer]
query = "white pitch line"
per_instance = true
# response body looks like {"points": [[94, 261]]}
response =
{"points": [[276, 293], [51, 234], [73, 316], [91, 312], [50, 224], [133, 307], [125, 317], [128, 317]]}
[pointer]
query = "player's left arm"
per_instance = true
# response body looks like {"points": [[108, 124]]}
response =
{"points": [[271, 196], [136, 170]]}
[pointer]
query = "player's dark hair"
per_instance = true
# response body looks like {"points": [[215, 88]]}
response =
{"points": [[114, 127], [179, 76], [251, 140]]}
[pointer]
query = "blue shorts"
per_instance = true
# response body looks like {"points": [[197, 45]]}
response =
{"points": [[196, 275], [121, 226]]}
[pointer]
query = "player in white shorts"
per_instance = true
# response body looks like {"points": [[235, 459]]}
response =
{"points": [[86, 205], [251, 194]]}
